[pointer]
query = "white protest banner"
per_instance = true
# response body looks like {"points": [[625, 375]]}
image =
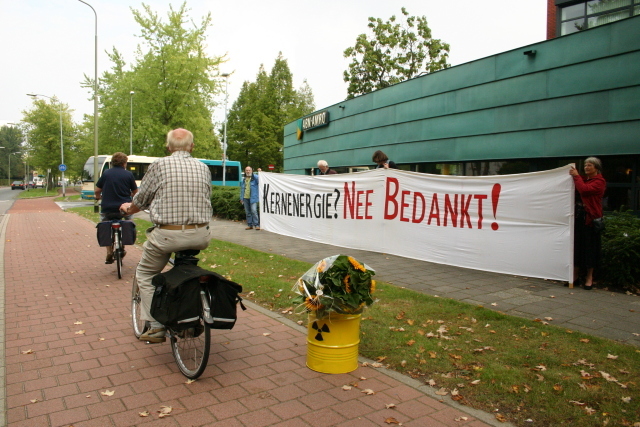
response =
{"points": [[516, 224]]}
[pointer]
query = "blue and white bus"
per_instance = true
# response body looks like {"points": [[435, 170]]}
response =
{"points": [[233, 172], [139, 165]]}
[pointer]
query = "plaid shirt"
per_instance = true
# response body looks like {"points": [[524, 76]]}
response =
{"points": [[176, 190]]}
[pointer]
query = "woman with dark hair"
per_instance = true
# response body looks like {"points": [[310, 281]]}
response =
{"points": [[383, 161], [587, 242]]}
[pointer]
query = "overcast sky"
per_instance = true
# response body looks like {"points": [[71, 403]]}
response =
{"points": [[48, 45]]}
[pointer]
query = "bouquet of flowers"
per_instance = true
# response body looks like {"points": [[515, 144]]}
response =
{"points": [[338, 283]]}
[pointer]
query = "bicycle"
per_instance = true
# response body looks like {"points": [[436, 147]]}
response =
{"points": [[191, 344]]}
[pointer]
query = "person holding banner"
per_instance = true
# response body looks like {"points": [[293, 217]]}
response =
{"points": [[249, 187], [587, 242], [323, 166], [383, 161]]}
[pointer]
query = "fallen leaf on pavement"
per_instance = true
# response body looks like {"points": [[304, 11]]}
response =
{"points": [[108, 392], [393, 405], [368, 391], [165, 411], [143, 414], [392, 420], [27, 351]]}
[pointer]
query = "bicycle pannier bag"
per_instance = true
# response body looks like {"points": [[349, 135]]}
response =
{"points": [[224, 301], [128, 232], [104, 233], [177, 302]]}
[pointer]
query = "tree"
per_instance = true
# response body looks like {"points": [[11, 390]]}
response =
{"points": [[255, 125], [394, 53], [10, 140], [44, 135], [174, 83]]}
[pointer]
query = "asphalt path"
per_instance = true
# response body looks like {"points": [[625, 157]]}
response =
{"points": [[7, 198]]}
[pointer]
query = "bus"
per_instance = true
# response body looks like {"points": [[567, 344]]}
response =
{"points": [[139, 165], [233, 172]]}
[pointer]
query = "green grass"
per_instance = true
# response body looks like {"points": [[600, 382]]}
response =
{"points": [[37, 192], [515, 368]]}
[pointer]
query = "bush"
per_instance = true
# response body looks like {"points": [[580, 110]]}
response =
{"points": [[621, 252], [225, 203]]}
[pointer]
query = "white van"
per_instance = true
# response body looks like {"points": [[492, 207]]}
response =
{"points": [[38, 182]]}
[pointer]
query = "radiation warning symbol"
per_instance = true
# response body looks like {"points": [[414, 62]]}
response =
{"points": [[320, 330]]}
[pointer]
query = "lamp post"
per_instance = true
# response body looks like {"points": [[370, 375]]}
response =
{"points": [[95, 109], [131, 125], [35, 95], [224, 138]]}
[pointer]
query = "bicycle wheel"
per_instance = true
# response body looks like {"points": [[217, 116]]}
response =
{"points": [[117, 253], [139, 326], [191, 349]]}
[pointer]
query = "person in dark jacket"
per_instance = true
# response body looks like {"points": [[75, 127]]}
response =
{"points": [[383, 161], [116, 186], [587, 242], [324, 169]]}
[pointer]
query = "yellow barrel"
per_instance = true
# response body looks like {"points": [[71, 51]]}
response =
{"points": [[332, 343]]}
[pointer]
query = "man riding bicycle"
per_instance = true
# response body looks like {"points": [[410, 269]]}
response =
{"points": [[116, 186], [177, 191]]}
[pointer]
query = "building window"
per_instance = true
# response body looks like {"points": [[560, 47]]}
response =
{"points": [[588, 14]]}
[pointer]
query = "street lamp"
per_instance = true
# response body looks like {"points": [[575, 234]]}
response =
{"points": [[95, 110], [224, 139], [35, 95], [131, 125]]}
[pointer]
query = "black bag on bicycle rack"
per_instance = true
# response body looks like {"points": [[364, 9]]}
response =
{"points": [[128, 229], [177, 302], [104, 233]]}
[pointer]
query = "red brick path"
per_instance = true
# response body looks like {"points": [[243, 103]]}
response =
{"points": [[54, 277]]}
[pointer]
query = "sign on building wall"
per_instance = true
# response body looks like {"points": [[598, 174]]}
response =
{"points": [[515, 224], [315, 121]]}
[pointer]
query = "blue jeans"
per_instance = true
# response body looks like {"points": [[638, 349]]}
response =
{"points": [[251, 210]]}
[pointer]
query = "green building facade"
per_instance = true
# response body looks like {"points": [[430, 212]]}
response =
{"points": [[533, 108]]}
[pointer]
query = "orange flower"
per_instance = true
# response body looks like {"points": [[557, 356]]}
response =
{"points": [[372, 288], [347, 285], [356, 264], [313, 303]]}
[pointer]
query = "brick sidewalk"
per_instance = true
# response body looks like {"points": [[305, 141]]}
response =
{"points": [[54, 277]]}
